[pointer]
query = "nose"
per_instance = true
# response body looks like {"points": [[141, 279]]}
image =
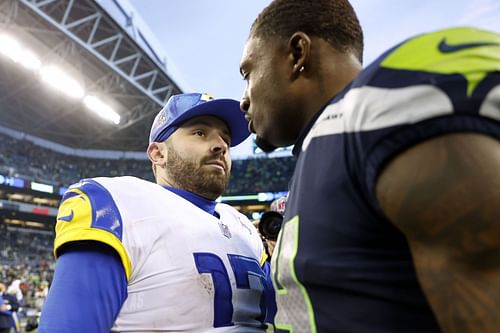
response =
{"points": [[244, 103], [219, 146]]}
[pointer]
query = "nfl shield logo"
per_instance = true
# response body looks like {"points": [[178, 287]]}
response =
{"points": [[225, 230]]}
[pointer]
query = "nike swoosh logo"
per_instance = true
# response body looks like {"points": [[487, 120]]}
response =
{"points": [[66, 218], [444, 47]]}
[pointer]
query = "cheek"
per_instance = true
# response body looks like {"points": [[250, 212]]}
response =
{"points": [[263, 95], [188, 152]]}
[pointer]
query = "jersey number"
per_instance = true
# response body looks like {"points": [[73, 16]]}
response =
{"points": [[290, 294], [247, 272]]}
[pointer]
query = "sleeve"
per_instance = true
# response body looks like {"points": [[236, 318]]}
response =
{"points": [[88, 212], [87, 292], [421, 89]]}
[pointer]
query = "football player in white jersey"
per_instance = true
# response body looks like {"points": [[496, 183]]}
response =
{"points": [[135, 256]]}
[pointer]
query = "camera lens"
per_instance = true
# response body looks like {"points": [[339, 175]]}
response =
{"points": [[270, 225]]}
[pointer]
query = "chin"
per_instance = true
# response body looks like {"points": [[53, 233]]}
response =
{"points": [[274, 141], [264, 144], [215, 186], [276, 136]]}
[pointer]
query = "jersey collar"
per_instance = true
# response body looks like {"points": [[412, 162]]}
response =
{"points": [[298, 144], [200, 202]]}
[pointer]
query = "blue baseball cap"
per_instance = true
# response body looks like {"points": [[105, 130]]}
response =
{"points": [[183, 107]]}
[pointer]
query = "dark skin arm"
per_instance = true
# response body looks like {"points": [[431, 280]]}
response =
{"points": [[444, 195]]}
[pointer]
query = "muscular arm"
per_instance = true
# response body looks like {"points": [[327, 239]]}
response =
{"points": [[444, 195]]}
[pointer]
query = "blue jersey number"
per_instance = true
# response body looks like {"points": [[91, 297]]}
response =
{"points": [[246, 271]]}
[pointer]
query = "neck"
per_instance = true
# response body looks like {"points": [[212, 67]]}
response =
{"points": [[200, 202], [333, 71], [163, 181]]}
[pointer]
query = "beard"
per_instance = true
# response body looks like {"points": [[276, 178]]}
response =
{"points": [[189, 175]]}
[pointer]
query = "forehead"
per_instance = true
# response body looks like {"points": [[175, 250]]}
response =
{"points": [[254, 50]]}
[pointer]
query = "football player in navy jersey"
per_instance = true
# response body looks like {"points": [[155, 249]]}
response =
{"points": [[137, 256], [392, 218]]}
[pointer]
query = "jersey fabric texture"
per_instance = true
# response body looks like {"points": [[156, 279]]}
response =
{"points": [[187, 270], [87, 291], [340, 265]]}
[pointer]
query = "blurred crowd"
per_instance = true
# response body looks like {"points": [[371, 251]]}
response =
{"points": [[260, 175], [26, 264], [24, 159], [26, 270]]}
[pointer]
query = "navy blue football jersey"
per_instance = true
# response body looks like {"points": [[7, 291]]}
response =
{"points": [[340, 265]]}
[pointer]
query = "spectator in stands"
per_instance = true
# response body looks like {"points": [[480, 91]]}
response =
{"points": [[8, 308], [15, 289]]}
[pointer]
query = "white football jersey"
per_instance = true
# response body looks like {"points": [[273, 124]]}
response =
{"points": [[187, 270]]}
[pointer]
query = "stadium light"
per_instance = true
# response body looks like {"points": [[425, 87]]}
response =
{"points": [[102, 109], [58, 79], [11, 48], [249, 197], [29, 60], [36, 186], [55, 77]]}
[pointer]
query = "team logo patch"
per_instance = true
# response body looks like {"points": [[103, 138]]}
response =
{"points": [[445, 47], [68, 217], [225, 230], [162, 119]]}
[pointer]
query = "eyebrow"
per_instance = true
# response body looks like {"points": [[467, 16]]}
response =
{"points": [[195, 122]]}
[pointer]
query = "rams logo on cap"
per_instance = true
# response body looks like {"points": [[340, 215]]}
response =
{"points": [[206, 97], [162, 119]]}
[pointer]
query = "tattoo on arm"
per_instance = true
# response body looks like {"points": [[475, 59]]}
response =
{"points": [[444, 195]]}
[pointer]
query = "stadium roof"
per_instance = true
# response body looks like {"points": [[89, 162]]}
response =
{"points": [[98, 52]]}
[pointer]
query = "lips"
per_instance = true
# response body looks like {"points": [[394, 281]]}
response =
{"points": [[251, 129], [217, 163]]}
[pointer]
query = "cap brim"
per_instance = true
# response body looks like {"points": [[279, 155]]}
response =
{"points": [[226, 109]]}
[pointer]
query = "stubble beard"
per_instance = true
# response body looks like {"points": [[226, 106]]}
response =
{"points": [[190, 176]]}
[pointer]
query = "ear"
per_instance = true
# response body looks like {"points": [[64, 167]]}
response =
{"points": [[156, 153], [299, 47]]}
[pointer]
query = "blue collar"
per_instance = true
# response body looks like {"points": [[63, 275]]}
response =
{"points": [[202, 203]]}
